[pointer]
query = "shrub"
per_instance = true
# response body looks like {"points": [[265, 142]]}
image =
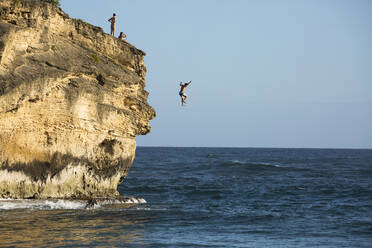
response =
{"points": [[54, 2], [82, 21], [95, 57]]}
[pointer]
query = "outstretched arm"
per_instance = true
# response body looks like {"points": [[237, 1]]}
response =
{"points": [[189, 82]]}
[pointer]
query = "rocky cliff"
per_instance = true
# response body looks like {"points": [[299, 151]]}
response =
{"points": [[72, 100]]}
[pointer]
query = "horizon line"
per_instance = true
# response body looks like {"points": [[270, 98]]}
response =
{"points": [[257, 147]]}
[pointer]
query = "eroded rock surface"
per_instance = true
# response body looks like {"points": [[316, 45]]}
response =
{"points": [[72, 100]]}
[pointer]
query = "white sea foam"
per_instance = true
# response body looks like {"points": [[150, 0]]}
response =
{"points": [[41, 204], [275, 165], [65, 204], [238, 162], [129, 200], [5, 199], [9, 204], [150, 209]]}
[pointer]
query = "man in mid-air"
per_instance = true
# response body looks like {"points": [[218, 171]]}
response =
{"points": [[182, 92]]}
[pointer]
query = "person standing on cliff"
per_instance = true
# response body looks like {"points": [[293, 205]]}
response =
{"points": [[182, 92], [113, 21]]}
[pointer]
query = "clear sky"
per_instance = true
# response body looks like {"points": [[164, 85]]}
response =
{"points": [[265, 73]]}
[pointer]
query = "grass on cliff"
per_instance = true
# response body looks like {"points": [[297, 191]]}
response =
{"points": [[95, 57], [54, 2], [82, 21]]}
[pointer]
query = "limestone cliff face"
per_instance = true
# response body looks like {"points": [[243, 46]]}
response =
{"points": [[72, 100]]}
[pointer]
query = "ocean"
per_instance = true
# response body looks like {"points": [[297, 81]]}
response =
{"points": [[213, 197]]}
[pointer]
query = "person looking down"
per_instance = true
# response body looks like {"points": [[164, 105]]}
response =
{"points": [[122, 36]]}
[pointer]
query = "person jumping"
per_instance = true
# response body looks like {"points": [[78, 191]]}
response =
{"points": [[182, 92]]}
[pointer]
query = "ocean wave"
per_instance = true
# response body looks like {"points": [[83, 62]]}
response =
{"points": [[147, 208], [250, 163], [9, 204], [238, 162], [259, 166], [65, 204]]}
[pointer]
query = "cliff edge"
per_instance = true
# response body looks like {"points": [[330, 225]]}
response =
{"points": [[72, 100]]}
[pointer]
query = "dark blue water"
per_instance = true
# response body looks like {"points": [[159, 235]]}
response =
{"points": [[219, 197]]}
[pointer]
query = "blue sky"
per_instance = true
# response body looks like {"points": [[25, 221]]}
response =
{"points": [[265, 73]]}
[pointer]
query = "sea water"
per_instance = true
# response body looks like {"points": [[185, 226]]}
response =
{"points": [[212, 197]]}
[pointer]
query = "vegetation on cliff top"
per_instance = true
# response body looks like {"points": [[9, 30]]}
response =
{"points": [[54, 2]]}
